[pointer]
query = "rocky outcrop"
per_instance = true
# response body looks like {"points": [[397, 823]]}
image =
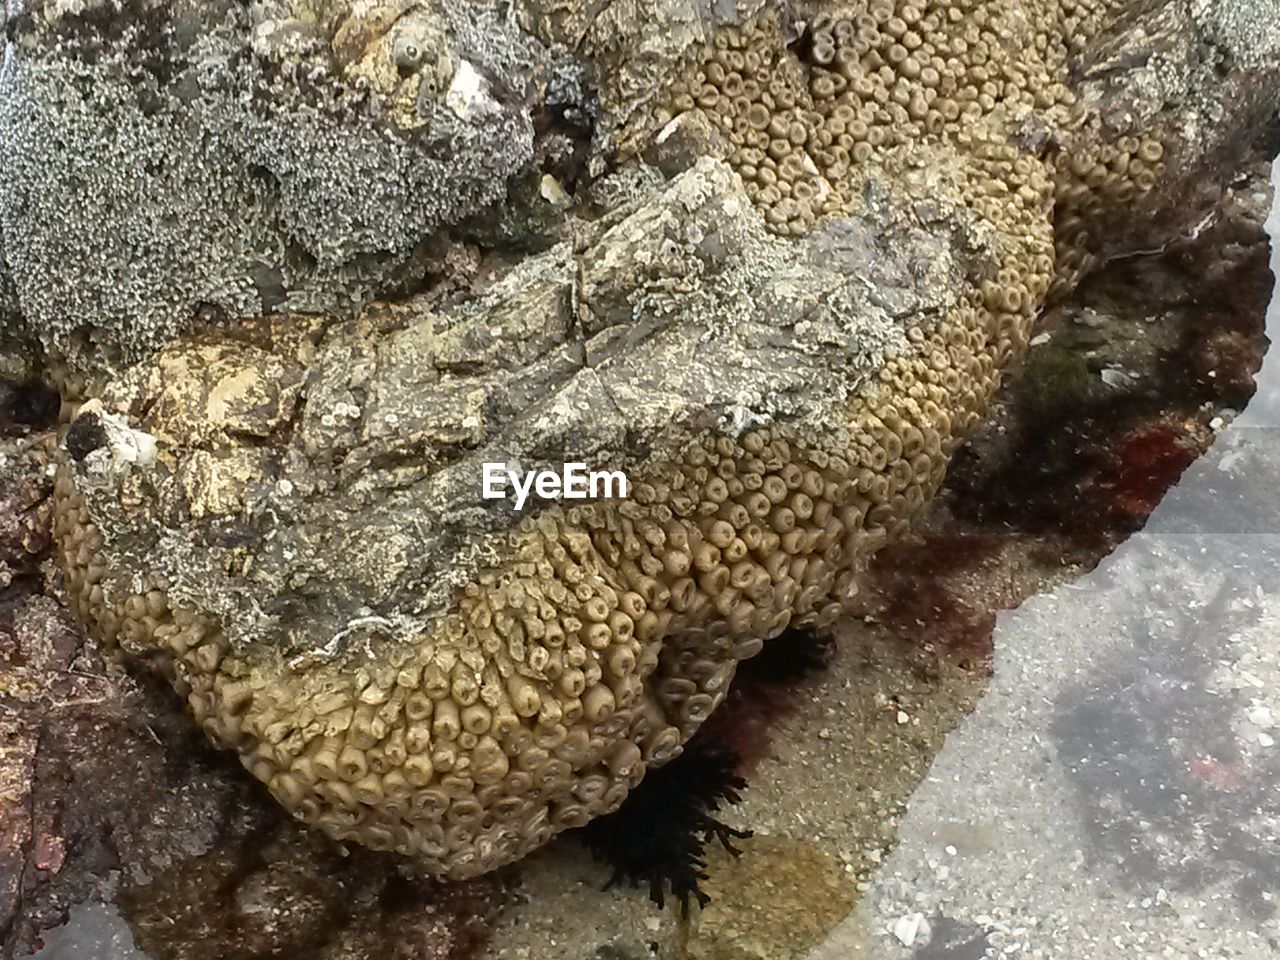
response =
{"points": [[779, 317]]}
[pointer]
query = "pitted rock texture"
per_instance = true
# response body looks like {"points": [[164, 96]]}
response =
{"points": [[283, 516]]}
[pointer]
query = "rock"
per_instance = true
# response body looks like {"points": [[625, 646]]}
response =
{"points": [[780, 345], [168, 162], [76, 729], [25, 509], [106, 795], [386, 421], [1180, 76], [93, 930], [910, 927]]}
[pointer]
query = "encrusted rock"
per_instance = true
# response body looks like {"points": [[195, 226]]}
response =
{"points": [[781, 348], [168, 160]]}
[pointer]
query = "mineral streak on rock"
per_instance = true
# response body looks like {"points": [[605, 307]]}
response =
{"points": [[781, 345]]}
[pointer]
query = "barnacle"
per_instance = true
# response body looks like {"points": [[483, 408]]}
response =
{"points": [[273, 161]]}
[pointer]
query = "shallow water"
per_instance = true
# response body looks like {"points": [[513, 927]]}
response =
{"points": [[1117, 790]]}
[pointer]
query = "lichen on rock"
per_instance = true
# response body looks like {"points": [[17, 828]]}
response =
{"points": [[780, 334]]}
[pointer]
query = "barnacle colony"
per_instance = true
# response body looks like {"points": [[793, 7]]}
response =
{"points": [[307, 560]]}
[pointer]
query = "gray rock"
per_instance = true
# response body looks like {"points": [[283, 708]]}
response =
{"points": [[684, 310], [169, 161]]}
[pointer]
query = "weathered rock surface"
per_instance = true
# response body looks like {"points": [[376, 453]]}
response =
{"points": [[170, 163], [781, 344], [334, 905]]}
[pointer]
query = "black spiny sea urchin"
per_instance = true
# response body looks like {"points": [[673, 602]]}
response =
{"points": [[659, 836]]}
